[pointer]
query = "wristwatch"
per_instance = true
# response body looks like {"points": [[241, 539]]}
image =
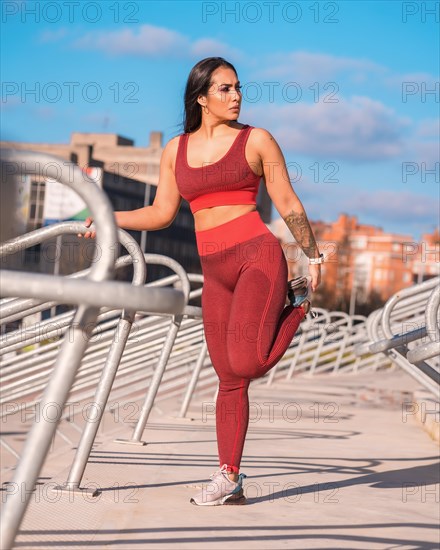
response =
{"points": [[319, 260]]}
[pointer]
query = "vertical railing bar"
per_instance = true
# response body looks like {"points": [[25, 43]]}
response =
{"points": [[165, 353], [193, 382], [154, 386], [106, 380]]}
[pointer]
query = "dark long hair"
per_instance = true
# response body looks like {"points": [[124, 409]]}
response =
{"points": [[198, 83]]}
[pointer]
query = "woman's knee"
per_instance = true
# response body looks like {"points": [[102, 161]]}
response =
{"points": [[245, 366]]}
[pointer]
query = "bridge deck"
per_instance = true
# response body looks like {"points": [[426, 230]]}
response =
{"points": [[332, 462]]}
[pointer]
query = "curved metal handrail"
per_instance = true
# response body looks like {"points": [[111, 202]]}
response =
{"points": [[398, 297], [69, 357], [71, 290], [418, 303], [432, 309], [89, 295], [67, 173]]}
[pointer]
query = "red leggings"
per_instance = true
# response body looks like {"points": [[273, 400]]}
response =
{"points": [[247, 325]]}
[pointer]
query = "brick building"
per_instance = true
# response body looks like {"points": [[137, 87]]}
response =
{"points": [[425, 256], [364, 264]]}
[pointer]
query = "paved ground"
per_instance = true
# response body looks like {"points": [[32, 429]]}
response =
{"points": [[332, 462]]}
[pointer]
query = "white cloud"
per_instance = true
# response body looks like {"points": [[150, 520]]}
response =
{"points": [[395, 206], [428, 127], [301, 66], [152, 41], [413, 83], [309, 67], [414, 212], [148, 40], [53, 35], [358, 129]]}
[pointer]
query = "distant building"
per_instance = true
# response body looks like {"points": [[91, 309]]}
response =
{"points": [[425, 256], [361, 261], [130, 176]]}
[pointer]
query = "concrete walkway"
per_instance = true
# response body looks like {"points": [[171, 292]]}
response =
{"points": [[332, 462]]}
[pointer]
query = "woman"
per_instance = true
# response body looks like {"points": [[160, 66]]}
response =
{"points": [[216, 164]]}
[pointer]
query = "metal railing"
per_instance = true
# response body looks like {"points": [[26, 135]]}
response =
{"points": [[321, 346], [327, 344], [164, 357], [88, 294], [324, 345], [406, 330]]}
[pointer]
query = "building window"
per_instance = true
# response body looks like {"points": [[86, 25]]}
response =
{"points": [[36, 205]]}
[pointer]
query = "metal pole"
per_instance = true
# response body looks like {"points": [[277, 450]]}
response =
{"points": [[166, 350], [154, 385], [342, 346], [100, 401], [318, 350], [353, 293], [116, 294], [56, 267], [299, 347], [107, 377], [144, 234], [194, 378], [43, 430]]}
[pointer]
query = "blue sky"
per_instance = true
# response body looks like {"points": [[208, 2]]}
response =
{"points": [[343, 86]]}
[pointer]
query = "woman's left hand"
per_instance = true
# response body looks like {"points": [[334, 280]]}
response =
{"points": [[315, 273]]}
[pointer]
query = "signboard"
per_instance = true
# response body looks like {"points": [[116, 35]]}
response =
{"points": [[62, 203]]}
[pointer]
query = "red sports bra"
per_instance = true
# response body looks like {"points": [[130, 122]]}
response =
{"points": [[230, 180]]}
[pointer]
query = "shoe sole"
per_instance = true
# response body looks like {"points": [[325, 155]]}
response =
{"points": [[237, 499], [240, 501], [302, 300]]}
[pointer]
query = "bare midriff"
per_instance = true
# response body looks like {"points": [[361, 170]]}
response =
{"points": [[207, 218]]}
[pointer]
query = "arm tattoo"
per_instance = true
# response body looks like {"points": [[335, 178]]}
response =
{"points": [[299, 226]]}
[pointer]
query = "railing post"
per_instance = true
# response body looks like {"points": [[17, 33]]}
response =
{"points": [[107, 377], [342, 347], [165, 353], [194, 378], [318, 350], [299, 347], [154, 385]]}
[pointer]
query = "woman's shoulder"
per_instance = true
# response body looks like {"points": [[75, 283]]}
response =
{"points": [[260, 136], [173, 143], [171, 147]]}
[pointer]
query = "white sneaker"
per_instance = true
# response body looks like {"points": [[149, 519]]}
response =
{"points": [[221, 490], [298, 292]]}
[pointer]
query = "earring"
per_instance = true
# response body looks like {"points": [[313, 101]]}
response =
{"points": [[205, 110]]}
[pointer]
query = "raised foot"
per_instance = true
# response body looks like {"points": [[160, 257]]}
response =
{"points": [[298, 292]]}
